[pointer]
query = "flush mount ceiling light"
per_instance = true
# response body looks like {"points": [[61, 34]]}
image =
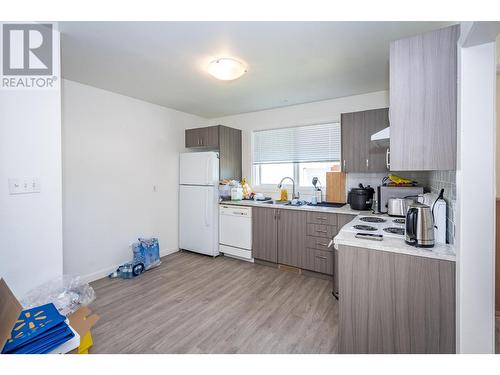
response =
{"points": [[226, 69]]}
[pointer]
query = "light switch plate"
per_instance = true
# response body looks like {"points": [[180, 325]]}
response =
{"points": [[15, 186], [28, 185]]}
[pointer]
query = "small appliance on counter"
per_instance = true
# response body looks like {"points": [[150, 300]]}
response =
{"points": [[399, 206], [384, 193], [438, 208], [361, 198], [317, 196], [419, 231]]}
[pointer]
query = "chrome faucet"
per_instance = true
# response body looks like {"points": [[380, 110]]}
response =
{"points": [[293, 187]]}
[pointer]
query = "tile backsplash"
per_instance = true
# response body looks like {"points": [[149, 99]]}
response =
{"points": [[446, 180], [432, 181], [375, 179]]}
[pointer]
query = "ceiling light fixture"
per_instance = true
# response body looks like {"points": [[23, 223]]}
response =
{"points": [[226, 69]]}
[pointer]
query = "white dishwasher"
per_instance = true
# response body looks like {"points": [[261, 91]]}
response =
{"points": [[235, 231]]}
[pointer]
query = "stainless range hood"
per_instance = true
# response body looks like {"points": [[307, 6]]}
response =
{"points": [[381, 138]]}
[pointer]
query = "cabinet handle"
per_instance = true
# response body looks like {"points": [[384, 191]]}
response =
{"points": [[321, 218], [343, 166], [320, 257], [321, 244], [367, 163], [320, 231], [387, 158]]}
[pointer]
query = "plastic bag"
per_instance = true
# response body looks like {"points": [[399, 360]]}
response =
{"points": [[128, 270], [147, 251], [67, 293]]}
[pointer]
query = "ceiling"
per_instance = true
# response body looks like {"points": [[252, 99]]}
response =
{"points": [[288, 62]]}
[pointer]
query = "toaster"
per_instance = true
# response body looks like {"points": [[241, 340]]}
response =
{"points": [[386, 192]]}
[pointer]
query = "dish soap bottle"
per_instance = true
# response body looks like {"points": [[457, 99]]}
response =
{"points": [[283, 194]]}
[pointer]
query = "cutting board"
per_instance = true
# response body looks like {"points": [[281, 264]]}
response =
{"points": [[335, 187]]}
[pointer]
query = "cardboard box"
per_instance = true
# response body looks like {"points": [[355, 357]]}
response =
{"points": [[81, 321], [10, 309]]}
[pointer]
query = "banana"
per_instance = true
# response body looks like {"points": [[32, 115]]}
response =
{"points": [[399, 180]]}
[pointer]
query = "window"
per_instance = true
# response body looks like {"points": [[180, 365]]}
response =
{"points": [[309, 170], [301, 153]]}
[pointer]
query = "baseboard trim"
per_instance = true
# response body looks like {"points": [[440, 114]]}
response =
{"points": [[106, 271]]}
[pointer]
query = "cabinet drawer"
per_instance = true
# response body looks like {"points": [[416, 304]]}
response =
{"points": [[319, 243], [319, 230], [319, 261], [321, 218]]}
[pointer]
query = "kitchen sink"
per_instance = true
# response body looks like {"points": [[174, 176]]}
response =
{"points": [[283, 203], [266, 202], [327, 204]]}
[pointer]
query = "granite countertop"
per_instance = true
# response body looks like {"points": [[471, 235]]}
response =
{"points": [[396, 245], [346, 209]]}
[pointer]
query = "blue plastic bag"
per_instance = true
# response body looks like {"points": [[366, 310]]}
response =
{"points": [[147, 251]]}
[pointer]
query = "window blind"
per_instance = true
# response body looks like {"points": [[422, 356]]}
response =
{"points": [[313, 143]]}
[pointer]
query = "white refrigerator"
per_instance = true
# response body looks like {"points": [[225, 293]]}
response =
{"points": [[199, 202]]}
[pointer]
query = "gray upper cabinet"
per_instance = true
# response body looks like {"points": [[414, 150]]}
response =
{"points": [[224, 139], [229, 153], [423, 97], [359, 153], [207, 137]]}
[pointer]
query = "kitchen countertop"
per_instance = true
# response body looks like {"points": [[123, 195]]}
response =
{"points": [[346, 209], [396, 245]]}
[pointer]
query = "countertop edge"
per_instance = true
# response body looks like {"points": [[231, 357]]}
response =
{"points": [[345, 210], [439, 252]]}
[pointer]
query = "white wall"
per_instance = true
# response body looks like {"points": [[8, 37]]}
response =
{"points": [[476, 201], [296, 115], [498, 132], [30, 146], [115, 151]]}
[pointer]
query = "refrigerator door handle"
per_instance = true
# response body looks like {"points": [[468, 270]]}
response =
{"points": [[208, 170], [207, 197]]}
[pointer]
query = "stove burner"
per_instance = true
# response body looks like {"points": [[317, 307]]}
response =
{"points": [[393, 230], [399, 221], [370, 219], [368, 228]]}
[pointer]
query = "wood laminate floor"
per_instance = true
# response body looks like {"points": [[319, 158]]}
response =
{"points": [[196, 304]]}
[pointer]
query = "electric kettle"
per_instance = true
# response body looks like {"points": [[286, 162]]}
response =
{"points": [[419, 229]]}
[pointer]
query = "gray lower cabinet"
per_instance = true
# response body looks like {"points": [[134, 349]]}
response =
{"points": [[342, 220], [318, 261], [265, 234], [224, 139], [423, 92], [291, 237], [359, 153], [395, 303], [297, 238]]}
